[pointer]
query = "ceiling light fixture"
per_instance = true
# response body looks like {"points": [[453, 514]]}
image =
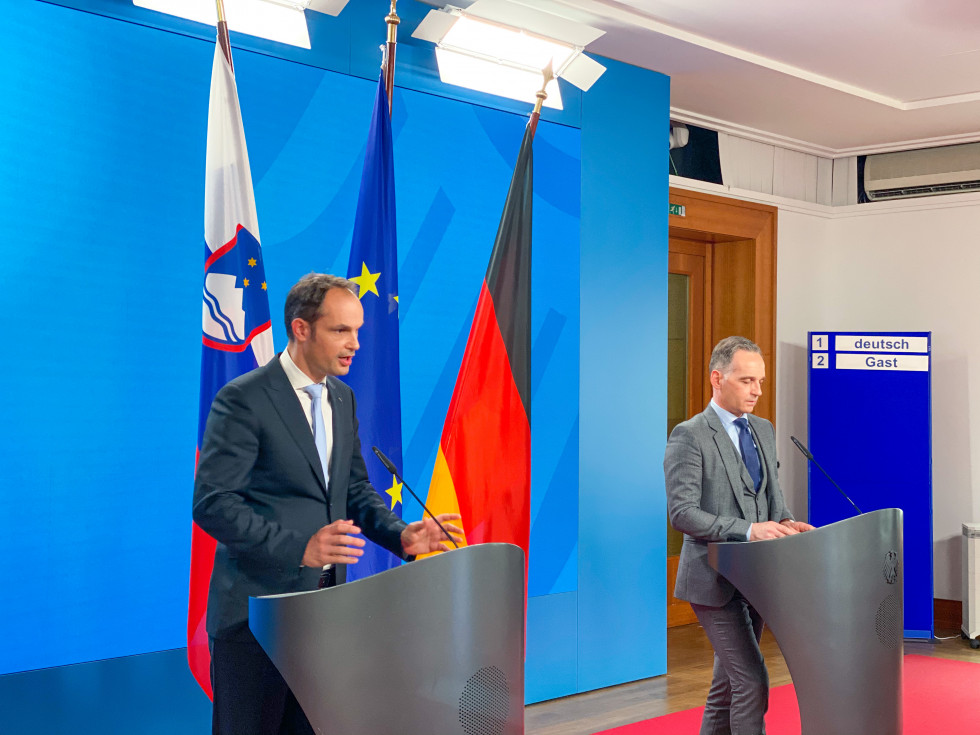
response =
{"points": [[501, 48], [277, 20]]}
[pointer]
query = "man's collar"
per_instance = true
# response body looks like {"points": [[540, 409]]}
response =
{"points": [[297, 378], [727, 417]]}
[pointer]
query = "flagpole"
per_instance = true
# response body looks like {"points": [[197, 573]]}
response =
{"points": [[223, 38], [548, 74], [392, 20]]}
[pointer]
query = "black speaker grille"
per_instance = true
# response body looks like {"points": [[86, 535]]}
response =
{"points": [[888, 621], [485, 703]]}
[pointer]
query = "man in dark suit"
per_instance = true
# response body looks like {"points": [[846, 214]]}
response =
{"points": [[282, 486], [722, 485]]}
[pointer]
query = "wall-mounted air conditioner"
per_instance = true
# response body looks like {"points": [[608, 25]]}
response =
{"points": [[924, 172]]}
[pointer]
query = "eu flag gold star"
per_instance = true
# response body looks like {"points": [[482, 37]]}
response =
{"points": [[252, 262], [246, 282], [367, 282], [395, 491], [264, 287]]}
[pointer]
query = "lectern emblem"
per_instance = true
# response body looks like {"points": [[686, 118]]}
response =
{"points": [[890, 567]]}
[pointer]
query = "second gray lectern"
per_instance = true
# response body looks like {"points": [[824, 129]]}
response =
{"points": [[432, 646], [833, 599]]}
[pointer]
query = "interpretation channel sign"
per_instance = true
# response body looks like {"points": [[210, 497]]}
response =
{"points": [[880, 343], [869, 352], [880, 361], [857, 380]]}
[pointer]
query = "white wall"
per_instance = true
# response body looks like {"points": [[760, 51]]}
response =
{"points": [[896, 266]]}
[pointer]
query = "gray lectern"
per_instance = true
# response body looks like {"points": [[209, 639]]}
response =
{"points": [[833, 599], [432, 646]]}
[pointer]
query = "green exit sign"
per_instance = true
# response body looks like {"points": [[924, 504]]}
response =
{"points": [[677, 209]]}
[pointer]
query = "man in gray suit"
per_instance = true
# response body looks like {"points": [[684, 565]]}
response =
{"points": [[722, 485], [282, 486]]}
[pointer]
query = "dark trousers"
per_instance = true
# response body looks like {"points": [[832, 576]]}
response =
{"points": [[739, 694], [250, 696]]}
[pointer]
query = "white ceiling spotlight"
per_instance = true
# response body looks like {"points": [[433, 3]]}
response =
{"points": [[501, 47], [277, 20]]}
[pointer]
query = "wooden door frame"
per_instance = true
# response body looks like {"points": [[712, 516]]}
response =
{"points": [[691, 258], [741, 237], [698, 389]]}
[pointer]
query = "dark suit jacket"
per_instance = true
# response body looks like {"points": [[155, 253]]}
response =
{"points": [[259, 490], [706, 498]]}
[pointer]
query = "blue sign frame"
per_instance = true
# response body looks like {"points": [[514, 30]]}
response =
{"points": [[870, 428]]}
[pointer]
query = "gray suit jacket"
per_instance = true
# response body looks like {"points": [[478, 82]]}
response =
{"points": [[260, 491], [706, 499]]}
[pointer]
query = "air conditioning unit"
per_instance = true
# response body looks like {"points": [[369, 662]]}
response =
{"points": [[971, 583], [924, 172]]}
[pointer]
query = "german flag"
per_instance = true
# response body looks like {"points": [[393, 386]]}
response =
{"points": [[483, 469]]}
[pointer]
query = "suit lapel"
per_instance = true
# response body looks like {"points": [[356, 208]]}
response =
{"points": [[734, 466], [341, 446], [290, 411]]}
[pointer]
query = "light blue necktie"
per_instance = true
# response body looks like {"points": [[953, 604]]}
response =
{"points": [[750, 455], [315, 392]]}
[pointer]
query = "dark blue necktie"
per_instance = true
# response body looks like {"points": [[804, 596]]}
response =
{"points": [[750, 454]]}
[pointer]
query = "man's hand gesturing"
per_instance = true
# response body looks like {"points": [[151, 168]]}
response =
{"points": [[334, 544]]}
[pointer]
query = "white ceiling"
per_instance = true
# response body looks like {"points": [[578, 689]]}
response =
{"points": [[831, 77]]}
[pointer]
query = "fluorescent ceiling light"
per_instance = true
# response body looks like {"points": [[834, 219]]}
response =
{"points": [[493, 42], [277, 20], [512, 82], [500, 47]]}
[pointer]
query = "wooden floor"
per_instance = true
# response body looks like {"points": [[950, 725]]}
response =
{"points": [[684, 686]]}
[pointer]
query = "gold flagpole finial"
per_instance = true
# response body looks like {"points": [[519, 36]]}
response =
{"points": [[548, 75], [221, 11], [393, 20]]}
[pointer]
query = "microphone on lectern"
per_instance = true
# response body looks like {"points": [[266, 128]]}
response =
{"points": [[390, 466], [806, 453]]}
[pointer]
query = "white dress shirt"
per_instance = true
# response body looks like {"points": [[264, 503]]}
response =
{"points": [[299, 380]]}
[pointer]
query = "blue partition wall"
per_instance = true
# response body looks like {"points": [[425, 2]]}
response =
{"points": [[102, 123]]}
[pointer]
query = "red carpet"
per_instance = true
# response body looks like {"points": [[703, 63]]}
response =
{"points": [[939, 696]]}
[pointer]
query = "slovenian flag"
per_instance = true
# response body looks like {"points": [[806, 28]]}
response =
{"points": [[483, 466], [237, 331], [374, 375]]}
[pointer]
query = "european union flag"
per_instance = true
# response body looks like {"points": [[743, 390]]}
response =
{"points": [[374, 374]]}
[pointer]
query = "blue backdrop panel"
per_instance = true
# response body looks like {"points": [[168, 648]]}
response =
{"points": [[551, 668], [102, 209], [870, 428], [149, 694], [102, 128], [622, 511]]}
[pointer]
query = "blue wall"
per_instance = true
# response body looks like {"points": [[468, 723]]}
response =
{"points": [[102, 127]]}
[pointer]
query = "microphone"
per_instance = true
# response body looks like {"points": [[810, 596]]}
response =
{"points": [[389, 465], [806, 453]]}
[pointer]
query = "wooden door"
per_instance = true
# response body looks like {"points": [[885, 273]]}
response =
{"points": [[687, 300]]}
